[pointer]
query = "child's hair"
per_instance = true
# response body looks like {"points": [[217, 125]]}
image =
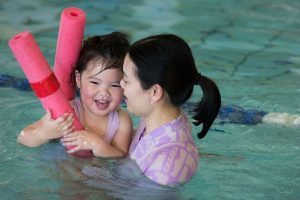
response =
{"points": [[167, 60], [108, 50]]}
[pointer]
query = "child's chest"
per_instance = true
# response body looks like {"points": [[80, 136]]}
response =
{"points": [[99, 127]]}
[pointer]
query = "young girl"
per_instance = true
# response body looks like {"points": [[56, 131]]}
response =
{"points": [[97, 75], [159, 76]]}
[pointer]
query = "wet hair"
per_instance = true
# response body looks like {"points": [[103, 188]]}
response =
{"points": [[109, 50], [167, 60]]}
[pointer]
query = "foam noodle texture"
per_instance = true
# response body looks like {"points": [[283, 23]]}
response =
{"points": [[69, 42], [37, 69]]}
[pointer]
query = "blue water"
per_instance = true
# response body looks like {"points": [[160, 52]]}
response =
{"points": [[250, 48]]}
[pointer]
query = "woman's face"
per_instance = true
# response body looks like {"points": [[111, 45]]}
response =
{"points": [[100, 92], [136, 98]]}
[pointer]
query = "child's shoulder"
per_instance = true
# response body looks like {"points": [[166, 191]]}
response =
{"points": [[122, 113], [124, 116]]}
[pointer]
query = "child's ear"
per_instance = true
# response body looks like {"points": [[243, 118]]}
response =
{"points": [[157, 93], [77, 78]]}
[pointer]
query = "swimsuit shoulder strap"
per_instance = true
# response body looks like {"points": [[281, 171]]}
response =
{"points": [[77, 106], [112, 126]]}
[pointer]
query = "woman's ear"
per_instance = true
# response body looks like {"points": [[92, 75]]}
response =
{"points": [[77, 78], [156, 93]]}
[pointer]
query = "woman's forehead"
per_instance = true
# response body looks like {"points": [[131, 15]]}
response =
{"points": [[128, 66]]}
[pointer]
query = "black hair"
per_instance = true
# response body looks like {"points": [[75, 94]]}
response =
{"points": [[109, 50], [167, 60]]}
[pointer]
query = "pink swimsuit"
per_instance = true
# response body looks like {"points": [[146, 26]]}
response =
{"points": [[113, 120], [166, 155]]}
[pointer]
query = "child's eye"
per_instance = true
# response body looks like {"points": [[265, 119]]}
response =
{"points": [[117, 85], [94, 82]]}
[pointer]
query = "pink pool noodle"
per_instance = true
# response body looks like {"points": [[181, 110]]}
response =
{"points": [[69, 42], [42, 79]]}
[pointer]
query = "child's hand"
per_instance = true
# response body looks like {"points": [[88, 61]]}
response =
{"points": [[80, 139], [52, 129]]}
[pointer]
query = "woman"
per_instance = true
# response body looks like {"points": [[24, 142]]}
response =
{"points": [[159, 76]]}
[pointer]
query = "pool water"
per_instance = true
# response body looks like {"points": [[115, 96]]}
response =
{"points": [[250, 48]]}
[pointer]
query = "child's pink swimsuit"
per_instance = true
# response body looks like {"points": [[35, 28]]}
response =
{"points": [[113, 120], [166, 155]]}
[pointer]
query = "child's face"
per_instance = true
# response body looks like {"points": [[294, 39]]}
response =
{"points": [[100, 92], [136, 98]]}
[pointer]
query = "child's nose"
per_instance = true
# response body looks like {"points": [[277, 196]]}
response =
{"points": [[103, 88]]}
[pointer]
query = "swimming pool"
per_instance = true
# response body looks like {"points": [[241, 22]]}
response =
{"points": [[250, 48]]}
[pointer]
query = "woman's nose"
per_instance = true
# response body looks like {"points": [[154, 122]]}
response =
{"points": [[122, 83]]}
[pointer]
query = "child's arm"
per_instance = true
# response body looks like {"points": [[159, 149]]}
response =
{"points": [[91, 141], [122, 138], [45, 129], [87, 140]]}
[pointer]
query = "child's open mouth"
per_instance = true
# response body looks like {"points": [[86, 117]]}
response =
{"points": [[102, 104]]}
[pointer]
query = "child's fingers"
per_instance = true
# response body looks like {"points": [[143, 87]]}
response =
{"points": [[66, 121], [73, 150], [66, 114], [71, 143], [69, 122], [60, 119], [67, 139], [67, 126], [69, 130], [70, 117], [65, 117], [70, 137]]}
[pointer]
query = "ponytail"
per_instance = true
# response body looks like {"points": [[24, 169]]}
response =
{"points": [[208, 108]]}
